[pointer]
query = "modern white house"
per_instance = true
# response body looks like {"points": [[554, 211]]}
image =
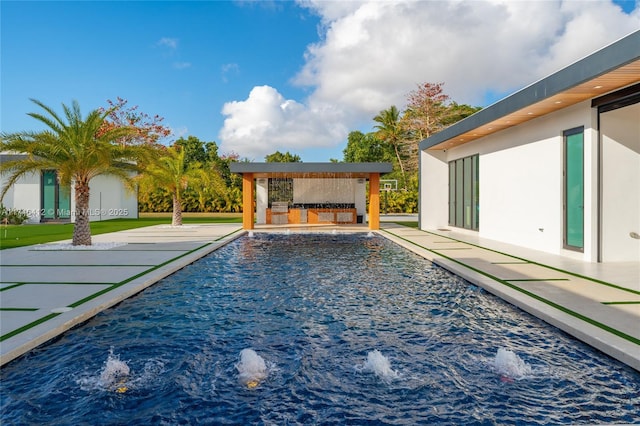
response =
{"points": [[553, 167], [44, 200]]}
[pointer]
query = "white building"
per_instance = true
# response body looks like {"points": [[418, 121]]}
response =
{"points": [[41, 196], [553, 167]]}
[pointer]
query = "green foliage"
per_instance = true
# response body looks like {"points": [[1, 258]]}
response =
{"points": [[366, 148], [278, 157], [402, 200], [207, 184], [12, 216], [193, 148]]}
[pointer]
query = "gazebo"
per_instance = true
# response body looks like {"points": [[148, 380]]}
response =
{"points": [[310, 193]]}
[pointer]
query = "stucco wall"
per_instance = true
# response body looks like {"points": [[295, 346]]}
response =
{"points": [[621, 190], [24, 195], [109, 199]]}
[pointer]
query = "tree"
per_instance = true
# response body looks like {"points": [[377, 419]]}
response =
{"points": [[208, 182], [390, 131], [429, 110], [79, 149], [168, 170], [364, 148], [193, 148], [278, 157], [148, 130]]}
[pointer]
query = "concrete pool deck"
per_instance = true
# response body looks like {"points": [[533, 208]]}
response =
{"points": [[45, 291]]}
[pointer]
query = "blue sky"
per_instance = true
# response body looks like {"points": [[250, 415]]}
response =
{"points": [[257, 77]]}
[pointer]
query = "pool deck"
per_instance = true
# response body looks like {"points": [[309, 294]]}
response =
{"points": [[45, 291]]}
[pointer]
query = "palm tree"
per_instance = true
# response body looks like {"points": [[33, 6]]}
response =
{"points": [[390, 131], [170, 172], [79, 149]]}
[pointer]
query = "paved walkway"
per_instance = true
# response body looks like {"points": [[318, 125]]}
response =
{"points": [[46, 292]]}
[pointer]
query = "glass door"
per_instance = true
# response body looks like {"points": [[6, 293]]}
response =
{"points": [[56, 201], [574, 189]]}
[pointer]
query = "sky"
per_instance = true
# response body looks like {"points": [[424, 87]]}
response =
{"points": [[258, 77]]}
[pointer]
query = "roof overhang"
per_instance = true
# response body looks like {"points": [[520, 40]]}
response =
{"points": [[611, 68], [311, 170]]}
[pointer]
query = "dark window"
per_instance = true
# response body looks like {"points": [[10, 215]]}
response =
{"points": [[464, 193]]}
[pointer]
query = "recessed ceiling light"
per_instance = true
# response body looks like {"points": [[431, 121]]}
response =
{"points": [[558, 102], [597, 87], [529, 113]]}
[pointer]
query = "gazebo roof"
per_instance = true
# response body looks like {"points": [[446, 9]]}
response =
{"points": [[311, 170]]}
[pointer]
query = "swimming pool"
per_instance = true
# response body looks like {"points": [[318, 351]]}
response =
{"points": [[333, 329]]}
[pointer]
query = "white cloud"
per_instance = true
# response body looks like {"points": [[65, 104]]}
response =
{"points": [[266, 122], [372, 54], [171, 43]]}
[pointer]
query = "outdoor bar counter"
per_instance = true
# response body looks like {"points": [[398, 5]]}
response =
{"points": [[312, 214]]}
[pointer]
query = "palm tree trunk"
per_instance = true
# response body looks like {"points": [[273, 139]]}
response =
{"points": [[177, 212], [404, 179], [81, 229]]}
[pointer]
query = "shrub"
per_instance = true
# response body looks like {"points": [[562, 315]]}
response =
{"points": [[12, 216]]}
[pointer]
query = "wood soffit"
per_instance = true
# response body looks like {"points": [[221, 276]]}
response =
{"points": [[598, 86]]}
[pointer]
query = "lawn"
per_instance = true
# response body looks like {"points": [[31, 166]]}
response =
{"points": [[24, 235]]}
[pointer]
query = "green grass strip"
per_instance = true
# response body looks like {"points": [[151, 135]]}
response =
{"points": [[27, 327], [19, 309], [9, 287], [532, 295], [622, 303]]}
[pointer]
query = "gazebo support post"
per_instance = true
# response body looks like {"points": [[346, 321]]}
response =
{"points": [[374, 201], [247, 201]]}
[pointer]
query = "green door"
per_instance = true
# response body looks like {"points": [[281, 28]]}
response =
{"points": [[56, 201], [574, 189], [48, 194]]}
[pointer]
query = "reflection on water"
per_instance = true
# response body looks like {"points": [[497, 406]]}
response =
{"points": [[316, 329]]}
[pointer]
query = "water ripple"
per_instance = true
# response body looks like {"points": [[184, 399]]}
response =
{"points": [[314, 307]]}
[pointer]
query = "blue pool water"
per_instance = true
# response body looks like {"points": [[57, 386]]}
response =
{"points": [[316, 329]]}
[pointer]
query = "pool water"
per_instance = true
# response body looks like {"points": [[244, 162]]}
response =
{"points": [[316, 329]]}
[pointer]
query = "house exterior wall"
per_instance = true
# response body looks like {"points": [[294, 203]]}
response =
{"points": [[521, 183], [620, 131], [24, 195], [109, 199]]}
